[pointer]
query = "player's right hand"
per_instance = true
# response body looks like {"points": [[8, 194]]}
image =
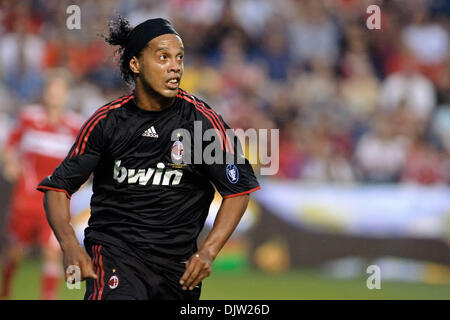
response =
{"points": [[75, 255]]}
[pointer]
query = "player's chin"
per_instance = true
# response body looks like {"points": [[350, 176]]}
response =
{"points": [[170, 92]]}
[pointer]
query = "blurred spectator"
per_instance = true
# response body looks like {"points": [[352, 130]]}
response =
{"points": [[428, 41], [274, 51], [410, 87], [253, 15], [21, 56], [425, 165], [312, 33], [293, 151], [359, 88], [318, 86], [325, 163], [380, 154], [441, 125]]}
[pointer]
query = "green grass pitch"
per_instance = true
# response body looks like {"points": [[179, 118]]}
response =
{"points": [[253, 285]]}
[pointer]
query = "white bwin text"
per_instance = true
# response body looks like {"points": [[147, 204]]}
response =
{"points": [[159, 175]]}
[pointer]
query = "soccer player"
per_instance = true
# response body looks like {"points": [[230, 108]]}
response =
{"points": [[38, 143], [147, 208]]}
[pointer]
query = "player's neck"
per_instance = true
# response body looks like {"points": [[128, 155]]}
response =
{"points": [[149, 100]]}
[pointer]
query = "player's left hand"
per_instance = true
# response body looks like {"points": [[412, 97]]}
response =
{"points": [[198, 267]]}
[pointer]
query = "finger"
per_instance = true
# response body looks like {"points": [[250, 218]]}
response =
{"points": [[90, 268], [187, 272], [205, 272], [195, 272], [88, 271], [202, 275], [70, 270]]}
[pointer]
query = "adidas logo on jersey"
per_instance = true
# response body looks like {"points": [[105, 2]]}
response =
{"points": [[150, 132]]}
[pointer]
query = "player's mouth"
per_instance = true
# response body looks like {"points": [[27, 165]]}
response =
{"points": [[173, 83]]}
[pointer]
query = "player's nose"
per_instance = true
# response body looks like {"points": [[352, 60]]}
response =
{"points": [[175, 66]]}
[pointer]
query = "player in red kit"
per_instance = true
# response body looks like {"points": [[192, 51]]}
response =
{"points": [[38, 143]]}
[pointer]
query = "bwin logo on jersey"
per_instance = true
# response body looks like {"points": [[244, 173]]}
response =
{"points": [[159, 175]]}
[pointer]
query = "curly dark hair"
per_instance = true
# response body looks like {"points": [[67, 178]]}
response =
{"points": [[119, 30]]}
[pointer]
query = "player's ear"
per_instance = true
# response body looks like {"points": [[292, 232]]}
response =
{"points": [[134, 65]]}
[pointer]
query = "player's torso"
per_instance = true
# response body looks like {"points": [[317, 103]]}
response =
{"points": [[145, 149]]}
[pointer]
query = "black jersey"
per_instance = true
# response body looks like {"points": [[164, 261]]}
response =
{"points": [[141, 198]]}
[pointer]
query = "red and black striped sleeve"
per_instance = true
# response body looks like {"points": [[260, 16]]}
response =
{"points": [[234, 176], [84, 155]]}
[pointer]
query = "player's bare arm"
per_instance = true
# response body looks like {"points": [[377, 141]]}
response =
{"points": [[57, 208], [198, 266], [12, 166]]}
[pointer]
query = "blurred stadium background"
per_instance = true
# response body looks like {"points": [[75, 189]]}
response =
{"points": [[364, 119]]}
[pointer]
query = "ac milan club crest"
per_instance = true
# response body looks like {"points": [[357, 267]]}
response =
{"points": [[113, 282], [177, 151]]}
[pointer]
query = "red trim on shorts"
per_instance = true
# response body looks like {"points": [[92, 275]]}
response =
{"points": [[102, 275], [53, 189], [241, 193], [94, 260]]}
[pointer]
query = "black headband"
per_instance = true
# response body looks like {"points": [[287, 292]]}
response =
{"points": [[145, 32]]}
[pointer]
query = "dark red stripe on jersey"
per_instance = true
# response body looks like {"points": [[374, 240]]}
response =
{"points": [[241, 193], [88, 122], [41, 188], [214, 121], [206, 115], [216, 117], [227, 138], [88, 127], [99, 117], [213, 114], [210, 112]]}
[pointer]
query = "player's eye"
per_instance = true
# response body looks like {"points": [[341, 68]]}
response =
{"points": [[162, 57]]}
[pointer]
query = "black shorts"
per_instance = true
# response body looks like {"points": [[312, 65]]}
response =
{"points": [[124, 276]]}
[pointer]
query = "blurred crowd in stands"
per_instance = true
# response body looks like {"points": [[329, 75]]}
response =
{"points": [[352, 104]]}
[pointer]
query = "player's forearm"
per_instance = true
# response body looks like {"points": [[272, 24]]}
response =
{"points": [[227, 219], [57, 209], [11, 165]]}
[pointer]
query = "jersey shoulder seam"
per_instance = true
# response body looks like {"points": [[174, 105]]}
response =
{"points": [[210, 117], [93, 120], [199, 107]]}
